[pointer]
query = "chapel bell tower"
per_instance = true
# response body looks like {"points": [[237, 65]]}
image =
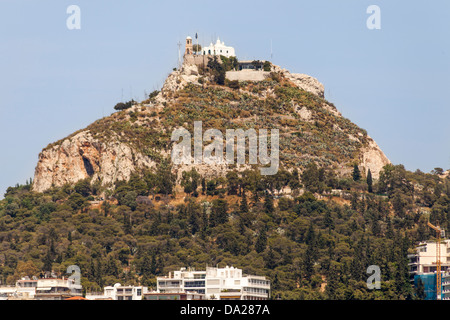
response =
{"points": [[189, 46]]}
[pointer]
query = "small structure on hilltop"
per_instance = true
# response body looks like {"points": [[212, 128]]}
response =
{"points": [[200, 56], [219, 48], [189, 47], [242, 72]]}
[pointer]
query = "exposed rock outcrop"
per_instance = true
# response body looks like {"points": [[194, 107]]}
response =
{"points": [[373, 158], [178, 79], [303, 81], [81, 156]]}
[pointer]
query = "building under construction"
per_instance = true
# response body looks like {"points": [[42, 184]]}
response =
{"points": [[431, 264]]}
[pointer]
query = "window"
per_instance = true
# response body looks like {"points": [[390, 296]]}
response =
{"points": [[192, 284], [258, 282], [139, 292], [169, 284], [256, 290]]}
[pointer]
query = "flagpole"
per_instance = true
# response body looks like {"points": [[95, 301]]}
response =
{"points": [[196, 38]]}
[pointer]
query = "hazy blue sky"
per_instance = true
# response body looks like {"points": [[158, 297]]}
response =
{"points": [[393, 82]]}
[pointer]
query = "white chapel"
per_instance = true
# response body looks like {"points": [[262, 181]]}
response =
{"points": [[219, 48]]}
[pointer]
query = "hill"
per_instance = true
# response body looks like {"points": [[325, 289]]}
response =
{"points": [[311, 129], [108, 199]]}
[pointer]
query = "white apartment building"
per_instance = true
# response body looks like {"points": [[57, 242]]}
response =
{"points": [[216, 283], [424, 259], [119, 292], [41, 289]]}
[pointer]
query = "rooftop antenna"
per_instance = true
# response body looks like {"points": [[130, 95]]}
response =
{"points": [[179, 54], [271, 52], [196, 40]]}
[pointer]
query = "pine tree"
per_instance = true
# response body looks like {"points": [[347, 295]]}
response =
{"points": [[154, 265], [354, 201], [193, 213], [308, 261], [270, 260], [268, 203], [328, 221], [356, 175], [294, 182], [261, 242], [203, 185], [204, 223], [219, 212], [106, 207], [146, 270], [389, 229], [255, 197], [244, 205], [99, 273], [311, 252], [127, 228], [369, 181], [111, 268], [332, 283], [420, 290], [48, 261]]}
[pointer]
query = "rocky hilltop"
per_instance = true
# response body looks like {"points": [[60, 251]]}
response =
{"points": [[311, 128]]}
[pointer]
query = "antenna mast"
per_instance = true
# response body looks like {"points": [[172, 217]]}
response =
{"points": [[271, 52], [196, 40], [179, 54]]}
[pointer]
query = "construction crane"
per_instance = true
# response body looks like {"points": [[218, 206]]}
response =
{"points": [[440, 233]]}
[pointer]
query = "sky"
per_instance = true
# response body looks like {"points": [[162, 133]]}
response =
{"points": [[393, 81]]}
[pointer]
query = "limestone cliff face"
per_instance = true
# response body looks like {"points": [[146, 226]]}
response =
{"points": [[303, 81], [81, 157], [373, 158]]}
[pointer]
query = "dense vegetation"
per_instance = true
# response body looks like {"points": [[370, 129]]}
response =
{"points": [[315, 242], [312, 244], [323, 138]]}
